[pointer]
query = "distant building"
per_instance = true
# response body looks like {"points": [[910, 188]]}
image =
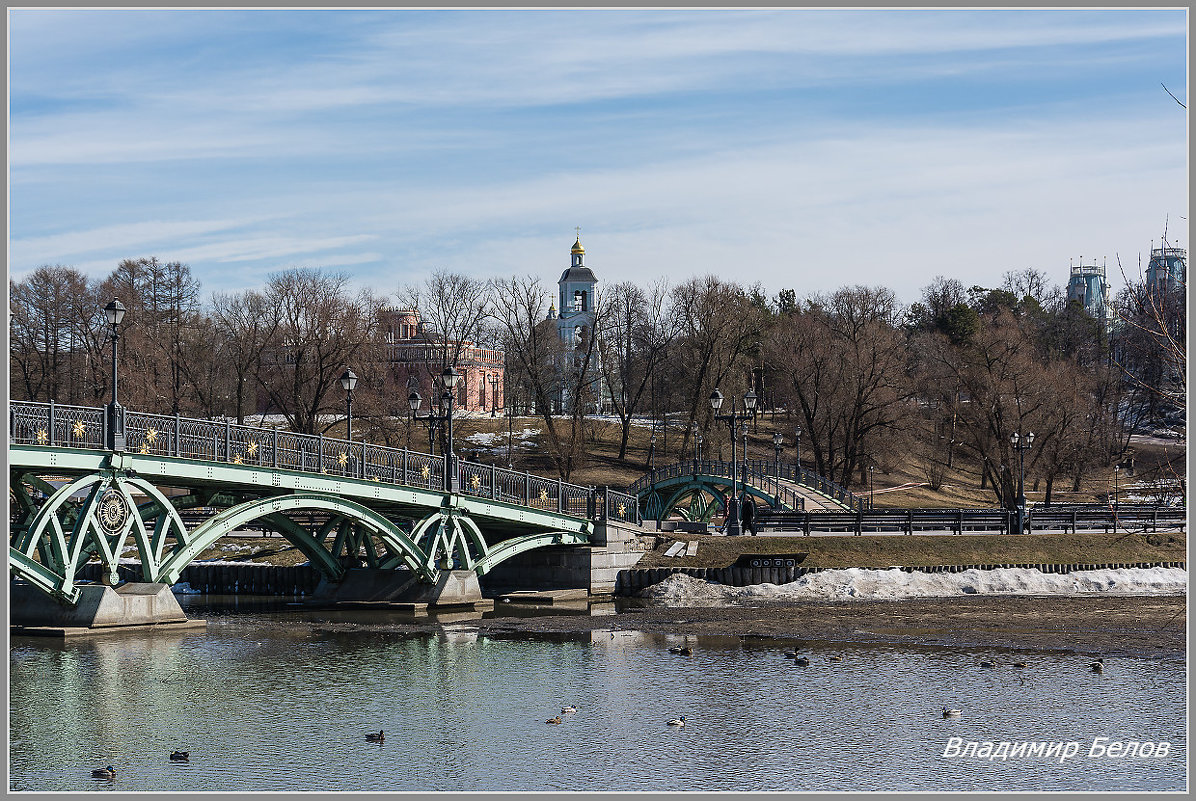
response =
{"points": [[417, 356], [1089, 287], [575, 320], [1168, 268]]}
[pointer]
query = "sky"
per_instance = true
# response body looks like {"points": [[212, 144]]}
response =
{"points": [[798, 148]]}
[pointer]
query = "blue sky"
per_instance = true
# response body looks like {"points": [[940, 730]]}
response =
{"points": [[804, 149]]}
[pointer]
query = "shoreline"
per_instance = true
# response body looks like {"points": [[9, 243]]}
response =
{"points": [[1152, 627]]}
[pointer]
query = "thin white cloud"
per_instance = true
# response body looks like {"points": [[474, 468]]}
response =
{"points": [[57, 247]]}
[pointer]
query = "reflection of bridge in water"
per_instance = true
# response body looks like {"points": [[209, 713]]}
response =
{"points": [[375, 507], [697, 490]]}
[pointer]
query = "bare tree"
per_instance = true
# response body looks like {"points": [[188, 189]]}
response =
{"points": [[717, 326], [847, 381], [552, 373], [53, 314], [321, 330], [454, 306], [246, 325], [635, 339]]}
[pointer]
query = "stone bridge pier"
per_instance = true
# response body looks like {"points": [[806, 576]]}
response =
{"points": [[614, 546]]}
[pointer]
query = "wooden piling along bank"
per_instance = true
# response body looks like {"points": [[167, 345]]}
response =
{"points": [[253, 579]]}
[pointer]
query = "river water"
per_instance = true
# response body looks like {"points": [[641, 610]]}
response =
{"points": [[279, 697]]}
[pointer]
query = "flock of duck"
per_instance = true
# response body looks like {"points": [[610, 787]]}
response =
{"points": [[1097, 666], [109, 772], [570, 709]]}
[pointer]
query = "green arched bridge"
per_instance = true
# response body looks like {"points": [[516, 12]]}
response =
{"points": [[697, 490], [341, 503]]}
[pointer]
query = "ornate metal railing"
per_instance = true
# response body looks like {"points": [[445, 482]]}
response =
{"points": [[785, 496], [51, 424]]}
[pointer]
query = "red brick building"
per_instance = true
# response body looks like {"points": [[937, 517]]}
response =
{"points": [[417, 357]]}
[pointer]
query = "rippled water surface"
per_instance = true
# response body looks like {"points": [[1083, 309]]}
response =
{"points": [[271, 701]]}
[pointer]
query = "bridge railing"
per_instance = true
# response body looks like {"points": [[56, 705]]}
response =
{"points": [[767, 477], [808, 478], [58, 424], [34, 423]]}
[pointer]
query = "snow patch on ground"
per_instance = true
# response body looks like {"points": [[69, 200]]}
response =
{"points": [[895, 584]]}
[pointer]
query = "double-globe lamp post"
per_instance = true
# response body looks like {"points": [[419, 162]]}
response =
{"points": [[115, 312], [349, 383], [1021, 445], [732, 419], [778, 442], [449, 379]]}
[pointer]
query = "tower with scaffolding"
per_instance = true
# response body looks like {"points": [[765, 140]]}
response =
{"points": [[1089, 286], [1168, 267]]}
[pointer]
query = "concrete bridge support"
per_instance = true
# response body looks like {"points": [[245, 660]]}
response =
{"points": [[100, 609], [400, 589], [594, 568]]}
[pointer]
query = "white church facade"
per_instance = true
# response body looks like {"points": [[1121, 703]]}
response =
{"points": [[575, 326]]}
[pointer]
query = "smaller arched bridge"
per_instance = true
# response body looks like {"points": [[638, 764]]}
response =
{"points": [[698, 490], [343, 504]]}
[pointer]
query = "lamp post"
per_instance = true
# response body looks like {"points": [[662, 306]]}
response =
{"points": [[1021, 445], [510, 434], [493, 394], [871, 487], [1116, 493], [115, 313], [433, 420], [349, 383], [651, 449], [749, 404], [778, 442], [797, 453]]}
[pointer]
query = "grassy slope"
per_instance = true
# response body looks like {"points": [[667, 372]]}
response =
{"points": [[961, 485]]}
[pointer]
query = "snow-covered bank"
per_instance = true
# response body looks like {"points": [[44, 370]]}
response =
{"points": [[895, 584]]}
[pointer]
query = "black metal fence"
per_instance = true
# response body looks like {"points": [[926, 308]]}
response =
{"points": [[961, 521]]}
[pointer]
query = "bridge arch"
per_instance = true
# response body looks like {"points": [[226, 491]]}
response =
{"points": [[661, 498]]}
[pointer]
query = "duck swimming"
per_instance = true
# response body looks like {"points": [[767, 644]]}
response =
{"points": [[801, 660], [554, 721], [569, 708], [180, 756], [677, 721], [1097, 667], [988, 664], [376, 738], [951, 713], [104, 773]]}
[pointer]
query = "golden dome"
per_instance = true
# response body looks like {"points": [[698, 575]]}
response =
{"points": [[577, 248]]}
